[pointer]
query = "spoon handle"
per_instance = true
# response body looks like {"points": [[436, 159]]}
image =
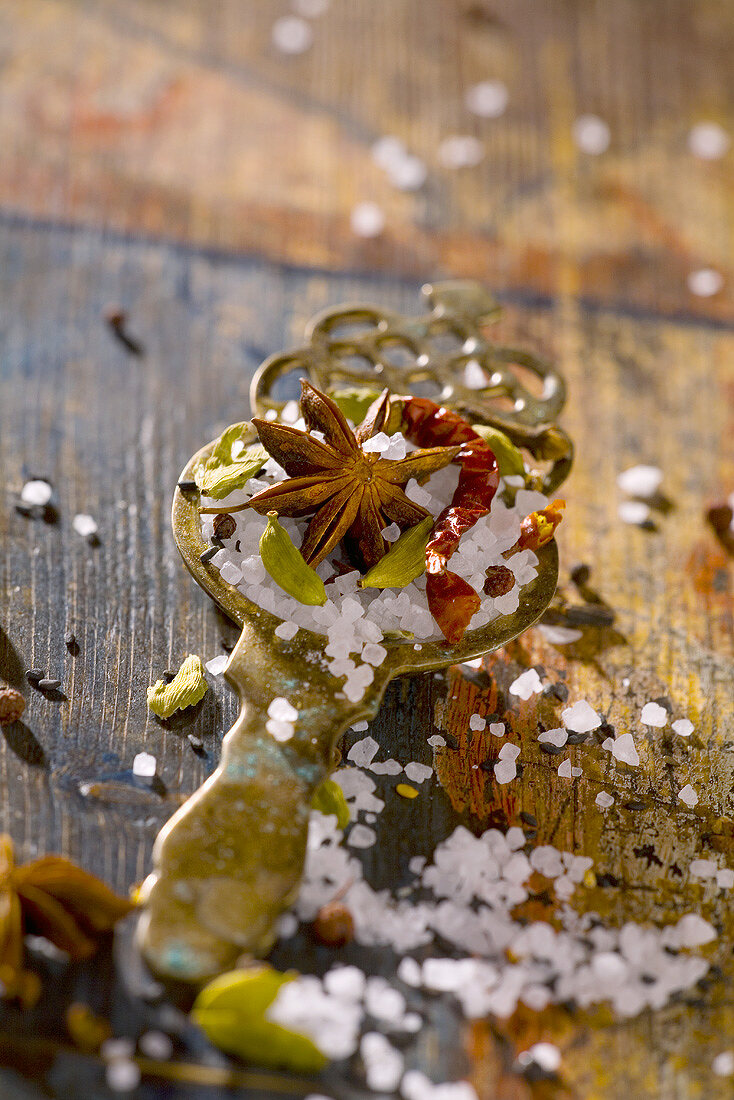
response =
{"points": [[230, 860]]}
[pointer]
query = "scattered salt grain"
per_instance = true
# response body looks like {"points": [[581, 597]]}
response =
{"points": [[157, 1045], [436, 741], [624, 750], [509, 752], [117, 1049], [683, 727], [725, 879], [144, 765], [476, 722], [581, 717], [723, 1064], [505, 771], [217, 664], [474, 376], [360, 727], [383, 1063], [409, 970], [545, 1055], [591, 134], [488, 99], [557, 737], [282, 711], [566, 771], [688, 796], [373, 653], [654, 715], [527, 684], [391, 533], [386, 767], [460, 151], [497, 729], [361, 836], [417, 773], [84, 525], [604, 800], [36, 492], [367, 219], [640, 481], [559, 635], [122, 1075], [705, 282], [286, 631], [708, 140], [387, 151], [633, 512], [291, 34], [363, 752], [347, 982], [280, 731], [703, 868], [407, 174], [692, 931]]}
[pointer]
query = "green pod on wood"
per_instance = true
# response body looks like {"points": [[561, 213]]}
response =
{"points": [[286, 566]]}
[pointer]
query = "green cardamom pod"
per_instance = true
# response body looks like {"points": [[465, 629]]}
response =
{"points": [[404, 561], [185, 690], [328, 798], [509, 459], [286, 566]]}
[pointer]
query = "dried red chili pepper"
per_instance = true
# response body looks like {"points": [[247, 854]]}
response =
{"points": [[452, 600]]}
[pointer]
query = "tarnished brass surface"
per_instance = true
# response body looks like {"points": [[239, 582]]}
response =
{"points": [[231, 858]]}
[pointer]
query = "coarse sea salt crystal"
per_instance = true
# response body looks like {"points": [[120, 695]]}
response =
{"points": [[527, 684], [409, 173], [282, 710], [460, 151], [705, 282], [688, 796], [725, 879], [654, 715], [559, 635], [377, 443], [474, 376], [640, 481], [280, 731], [723, 1064], [476, 722], [497, 729], [417, 773], [156, 1045], [505, 771], [291, 34], [391, 533], [591, 134], [36, 492], [84, 525], [360, 727], [383, 1063], [703, 868], [683, 727], [386, 767], [347, 982], [436, 741], [387, 151], [367, 219], [693, 931], [217, 664], [373, 653], [581, 717], [361, 836], [565, 770], [708, 140], [122, 1075], [509, 752], [557, 737], [545, 1055], [488, 98], [144, 765], [286, 631], [363, 752], [633, 512], [624, 750], [604, 800]]}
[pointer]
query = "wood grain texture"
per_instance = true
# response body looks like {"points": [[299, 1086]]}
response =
{"points": [[164, 156]]}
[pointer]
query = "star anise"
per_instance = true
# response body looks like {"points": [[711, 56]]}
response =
{"points": [[53, 898], [351, 493]]}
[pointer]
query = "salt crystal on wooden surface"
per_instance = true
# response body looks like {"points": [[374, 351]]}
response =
{"points": [[591, 134], [725, 879], [436, 741], [144, 765], [84, 525], [723, 1064], [624, 750], [633, 512], [705, 282], [361, 836], [476, 722], [497, 729], [509, 752], [217, 664], [488, 98], [418, 773], [291, 34], [460, 151], [407, 174], [363, 752], [703, 868], [581, 717], [545, 1055], [640, 481], [654, 715], [708, 140], [367, 219], [386, 767], [527, 684], [559, 635], [557, 737], [683, 727], [688, 795], [122, 1075], [564, 769], [387, 151], [156, 1044], [604, 800], [359, 727], [505, 771], [36, 492]]}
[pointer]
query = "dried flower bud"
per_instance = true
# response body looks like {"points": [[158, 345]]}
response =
{"points": [[500, 580], [12, 705], [334, 925]]}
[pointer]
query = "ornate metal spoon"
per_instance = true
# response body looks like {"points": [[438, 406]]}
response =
{"points": [[230, 860]]}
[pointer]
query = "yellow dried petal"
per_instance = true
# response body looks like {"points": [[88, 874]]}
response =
{"points": [[406, 791], [187, 688]]}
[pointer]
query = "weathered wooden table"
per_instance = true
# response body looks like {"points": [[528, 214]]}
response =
{"points": [[166, 157]]}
